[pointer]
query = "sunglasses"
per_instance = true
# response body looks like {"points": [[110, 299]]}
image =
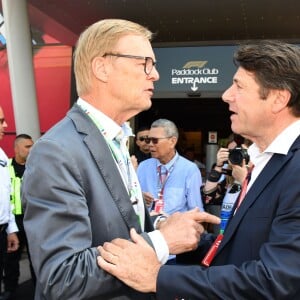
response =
{"points": [[143, 138], [155, 140]]}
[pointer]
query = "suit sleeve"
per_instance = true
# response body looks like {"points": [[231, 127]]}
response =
{"points": [[58, 227], [273, 275]]}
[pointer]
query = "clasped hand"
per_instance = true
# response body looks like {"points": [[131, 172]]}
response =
{"points": [[135, 262]]}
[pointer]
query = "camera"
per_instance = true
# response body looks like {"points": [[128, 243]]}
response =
{"points": [[237, 155]]}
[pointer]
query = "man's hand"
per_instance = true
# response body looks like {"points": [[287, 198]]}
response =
{"points": [[148, 197], [12, 242], [239, 173], [182, 231], [222, 156], [135, 263]]}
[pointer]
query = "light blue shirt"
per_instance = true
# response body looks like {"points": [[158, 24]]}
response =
{"points": [[182, 188]]}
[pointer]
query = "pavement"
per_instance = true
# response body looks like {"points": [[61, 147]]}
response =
{"points": [[25, 290]]}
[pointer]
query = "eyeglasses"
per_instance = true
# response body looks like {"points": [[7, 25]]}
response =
{"points": [[155, 140], [149, 62], [143, 138], [2, 120]]}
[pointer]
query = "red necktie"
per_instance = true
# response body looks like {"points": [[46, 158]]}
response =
{"points": [[244, 188]]}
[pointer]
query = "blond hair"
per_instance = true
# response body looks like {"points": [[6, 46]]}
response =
{"points": [[96, 40]]}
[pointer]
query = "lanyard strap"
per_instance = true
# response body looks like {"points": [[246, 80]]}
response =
{"points": [[161, 179], [121, 156]]}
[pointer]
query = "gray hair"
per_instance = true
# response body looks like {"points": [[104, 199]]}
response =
{"points": [[169, 127]]}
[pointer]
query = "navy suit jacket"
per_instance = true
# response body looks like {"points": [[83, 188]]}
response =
{"points": [[75, 200], [259, 257]]}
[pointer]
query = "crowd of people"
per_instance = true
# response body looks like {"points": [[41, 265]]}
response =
{"points": [[140, 225], [226, 176]]}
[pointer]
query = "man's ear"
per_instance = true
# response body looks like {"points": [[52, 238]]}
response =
{"points": [[174, 140], [99, 68], [281, 100]]}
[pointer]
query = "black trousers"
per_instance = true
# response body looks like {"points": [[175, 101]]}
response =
{"points": [[3, 249], [12, 260]]}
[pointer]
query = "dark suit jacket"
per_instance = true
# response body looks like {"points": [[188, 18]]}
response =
{"points": [[75, 200], [259, 257], [141, 156]]}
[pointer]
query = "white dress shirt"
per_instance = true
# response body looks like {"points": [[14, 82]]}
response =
{"points": [[112, 130], [280, 145], [6, 215]]}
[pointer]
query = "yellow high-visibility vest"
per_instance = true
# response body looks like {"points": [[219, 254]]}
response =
{"points": [[15, 194]]}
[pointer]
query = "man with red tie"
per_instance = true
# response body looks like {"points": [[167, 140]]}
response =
{"points": [[259, 255]]}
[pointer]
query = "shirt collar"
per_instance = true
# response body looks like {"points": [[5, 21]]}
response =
{"points": [[285, 139], [281, 144], [170, 163], [111, 128]]}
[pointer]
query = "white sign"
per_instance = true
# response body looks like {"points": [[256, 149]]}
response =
{"points": [[212, 137]]}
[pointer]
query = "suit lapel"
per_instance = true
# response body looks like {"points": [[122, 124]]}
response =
{"points": [[101, 153], [270, 170]]}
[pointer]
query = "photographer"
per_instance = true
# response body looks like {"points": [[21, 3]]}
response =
{"points": [[226, 176]]}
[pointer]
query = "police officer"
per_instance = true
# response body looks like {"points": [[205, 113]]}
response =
{"points": [[9, 241], [16, 166]]}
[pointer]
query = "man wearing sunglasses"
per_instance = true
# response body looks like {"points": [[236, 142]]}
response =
{"points": [[143, 150], [170, 182]]}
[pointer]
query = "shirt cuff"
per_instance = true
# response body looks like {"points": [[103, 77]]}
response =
{"points": [[12, 226], [160, 246]]}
